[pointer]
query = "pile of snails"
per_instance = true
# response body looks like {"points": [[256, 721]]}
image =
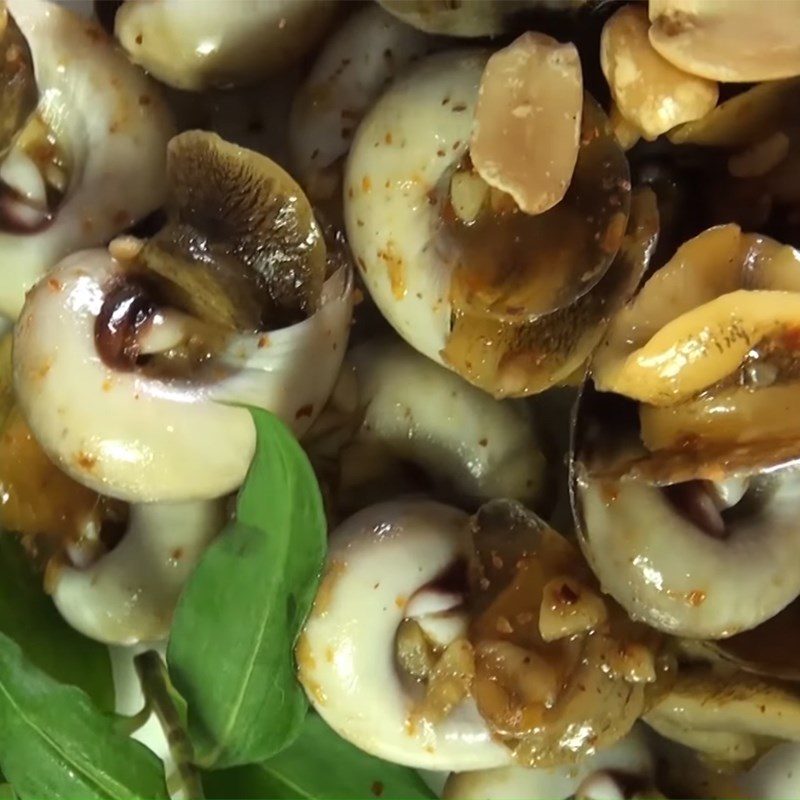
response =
{"points": [[523, 277]]}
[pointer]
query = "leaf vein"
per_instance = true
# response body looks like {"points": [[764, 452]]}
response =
{"points": [[112, 792]]}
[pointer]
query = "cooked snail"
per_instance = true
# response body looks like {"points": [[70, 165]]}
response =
{"points": [[513, 302], [137, 361], [99, 135], [129, 595], [469, 444], [345, 656], [483, 641], [198, 45], [357, 62], [469, 19], [728, 718], [604, 775], [704, 348]]}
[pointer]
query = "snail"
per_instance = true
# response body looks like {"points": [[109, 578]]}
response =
{"points": [[132, 364], [87, 333], [417, 411], [199, 45], [470, 19], [345, 654], [432, 193], [354, 66], [728, 718], [439, 641], [110, 127], [129, 594], [686, 454], [602, 775]]}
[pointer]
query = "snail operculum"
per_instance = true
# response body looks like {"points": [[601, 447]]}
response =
{"points": [[241, 253], [241, 247]]}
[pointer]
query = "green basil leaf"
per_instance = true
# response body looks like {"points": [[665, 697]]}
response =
{"points": [[7, 792], [231, 646], [55, 744], [319, 765], [28, 616]]}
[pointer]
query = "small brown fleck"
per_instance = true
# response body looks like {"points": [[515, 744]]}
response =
{"points": [[460, 107], [396, 268], [139, 38], [304, 411], [400, 601], [55, 284], [377, 789], [107, 385], [177, 554], [696, 598], [144, 100], [263, 342], [43, 369], [366, 184], [85, 461], [388, 137], [483, 442]]}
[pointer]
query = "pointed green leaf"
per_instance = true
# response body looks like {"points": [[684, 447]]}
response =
{"points": [[28, 616], [319, 765], [55, 744], [231, 647]]}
